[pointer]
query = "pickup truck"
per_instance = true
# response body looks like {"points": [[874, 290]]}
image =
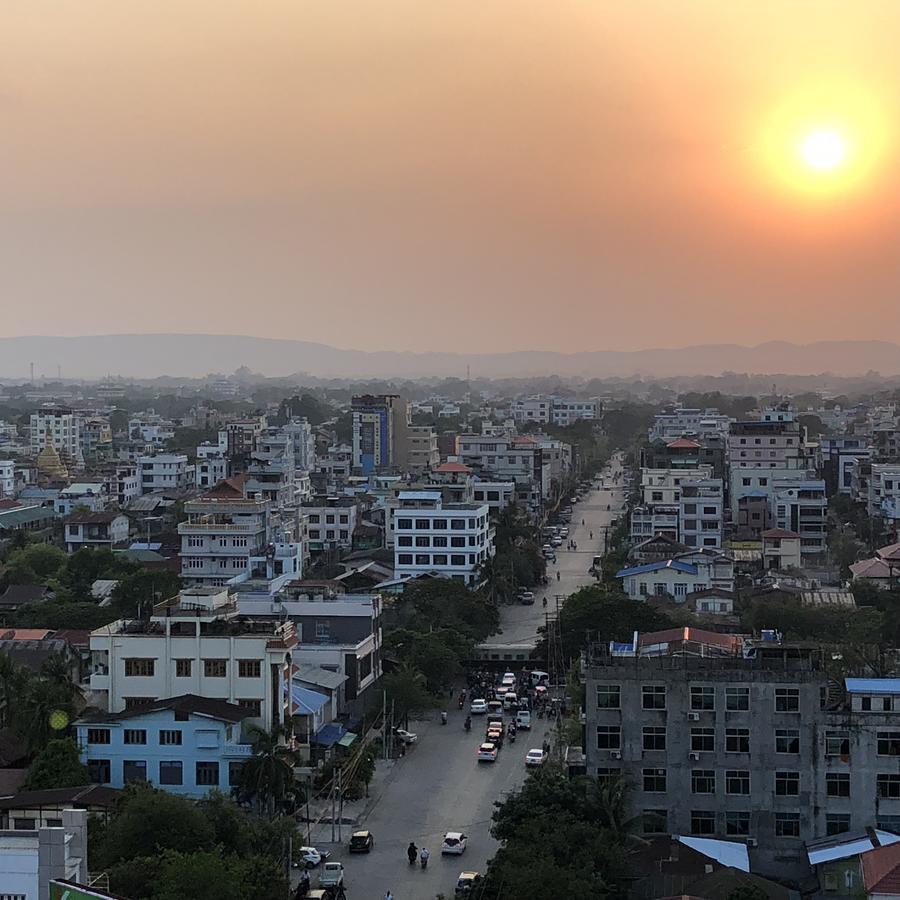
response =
{"points": [[332, 875]]}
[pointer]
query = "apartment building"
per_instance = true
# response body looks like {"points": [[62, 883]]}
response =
{"points": [[212, 464], [7, 478], [496, 494], [95, 434], [553, 410], [57, 427], [124, 484], [303, 444], [195, 643], [687, 453], [229, 538], [836, 456], [802, 507], [663, 511], [745, 742], [380, 432], [883, 500], [105, 529], [331, 521], [422, 453], [165, 472], [774, 441], [681, 421], [701, 513], [431, 536], [239, 436], [149, 427]]}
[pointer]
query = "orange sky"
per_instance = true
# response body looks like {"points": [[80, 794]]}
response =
{"points": [[425, 175]]}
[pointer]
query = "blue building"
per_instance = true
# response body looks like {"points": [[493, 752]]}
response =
{"points": [[380, 432], [188, 745]]}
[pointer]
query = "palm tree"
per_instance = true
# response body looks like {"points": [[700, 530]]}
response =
{"points": [[58, 671], [268, 776], [610, 798], [12, 684], [45, 711]]}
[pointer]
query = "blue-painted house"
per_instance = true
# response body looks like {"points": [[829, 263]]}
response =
{"points": [[188, 745]]}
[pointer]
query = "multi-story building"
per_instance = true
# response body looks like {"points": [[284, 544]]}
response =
{"points": [[567, 412], [681, 421], [664, 510], [331, 522], [229, 538], [239, 436], [96, 437], [380, 432], [7, 478], [802, 507], [886, 440], [497, 494], [195, 643], [212, 465], [774, 441], [687, 453], [165, 472], [95, 529], [57, 427], [750, 743], [89, 496], [836, 456], [884, 491], [686, 573], [185, 745], [303, 442], [422, 452], [701, 514], [125, 484], [430, 536], [553, 410], [150, 428]]}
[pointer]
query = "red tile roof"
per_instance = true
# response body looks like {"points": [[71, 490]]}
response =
{"points": [[683, 444], [730, 642], [453, 467], [891, 553], [881, 869], [229, 488], [9, 503]]}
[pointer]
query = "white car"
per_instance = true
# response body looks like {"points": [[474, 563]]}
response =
{"points": [[478, 707], [332, 875], [408, 737], [454, 843], [309, 857], [487, 753], [535, 758]]}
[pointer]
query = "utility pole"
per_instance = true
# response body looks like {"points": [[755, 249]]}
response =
{"points": [[384, 725], [333, 783], [340, 804]]}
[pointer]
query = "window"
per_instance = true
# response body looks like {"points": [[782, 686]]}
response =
{"points": [[423, 559], [737, 781], [255, 706], [183, 668], [737, 823], [134, 770], [655, 781], [888, 785], [737, 698], [215, 668], [423, 541], [439, 525], [457, 559], [838, 823], [98, 735], [703, 697], [457, 542], [654, 738], [609, 737], [787, 824], [608, 696], [703, 822], [404, 523], [787, 740], [207, 773], [457, 524], [837, 743], [139, 668], [99, 771], [606, 775], [251, 668], [404, 559], [703, 740], [653, 696], [837, 784], [170, 772], [423, 524], [135, 736], [24, 824], [787, 784], [787, 700], [737, 740], [703, 781], [235, 772], [440, 559], [655, 821], [439, 540], [170, 738], [889, 743], [888, 823]]}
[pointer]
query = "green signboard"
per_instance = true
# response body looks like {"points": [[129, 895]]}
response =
{"points": [[61, 890]]}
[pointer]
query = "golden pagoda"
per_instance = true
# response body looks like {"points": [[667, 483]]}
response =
{"points": [[50, 466]]}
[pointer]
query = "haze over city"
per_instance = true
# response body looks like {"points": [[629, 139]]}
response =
{"points": [[471, 177]]}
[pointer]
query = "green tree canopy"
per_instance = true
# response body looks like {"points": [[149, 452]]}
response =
{"points": [[57, 766]]}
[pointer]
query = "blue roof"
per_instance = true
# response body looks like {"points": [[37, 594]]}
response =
{"points": [[872, 685], [306, 702], [675, 564], [328, 735]]}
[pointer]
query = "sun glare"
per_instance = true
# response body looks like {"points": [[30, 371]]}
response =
{"points": [[824, 150]]}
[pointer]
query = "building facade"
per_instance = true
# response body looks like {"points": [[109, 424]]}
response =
{"points": [[380, 432]]}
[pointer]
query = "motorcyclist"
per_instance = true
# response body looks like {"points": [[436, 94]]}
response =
{"points": [[411, 852], [423, 856], [557, 575], [468, 723], [443, 717]]}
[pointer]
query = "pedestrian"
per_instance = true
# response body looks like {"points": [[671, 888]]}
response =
{"points": [[592, 535]]}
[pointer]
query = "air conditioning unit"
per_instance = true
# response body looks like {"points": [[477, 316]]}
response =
{"points": [[694, 756], [694, 717], [752, 842], [616, 754]]}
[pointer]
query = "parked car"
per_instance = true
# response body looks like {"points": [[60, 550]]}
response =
{"points": [[535, 758], [361, 842], [454, 843], [466, 883], [309, 857], [408, 737], [332, 875], [478, 707], [564, 532], [487, 752]]}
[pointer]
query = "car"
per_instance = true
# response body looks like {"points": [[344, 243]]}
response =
{"points": [[535, 758], [526, 598], [538, 676], [309, 857], [487, 752], [478, 707], [361, 842], [510, 701], [523, 719], [408, 737], [494, 737], [556, 542], [332, 874], [454, 843], [564, 532], [466, 883], [495, 706]]}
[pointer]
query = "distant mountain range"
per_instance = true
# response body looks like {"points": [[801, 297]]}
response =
{"points": [[195, 355]]}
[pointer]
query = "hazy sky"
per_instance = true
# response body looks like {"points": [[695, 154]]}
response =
{"points": [[423, 174]]}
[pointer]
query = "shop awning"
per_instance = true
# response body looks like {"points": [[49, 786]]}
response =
{"points": [[347, 739]]}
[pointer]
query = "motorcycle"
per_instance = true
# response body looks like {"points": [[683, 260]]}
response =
{"points": [[444, 718], [512, 737], [468, 724], [462, 701]]}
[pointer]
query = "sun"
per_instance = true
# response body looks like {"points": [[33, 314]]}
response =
{"points": [[824, 150]]}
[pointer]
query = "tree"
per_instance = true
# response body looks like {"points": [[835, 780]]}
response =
{"points": [[438, 655], [12, 685], [45, 709], [407, 693], [35, 563], [268, 776], [141, 589], [54, 614], [58, 765]]}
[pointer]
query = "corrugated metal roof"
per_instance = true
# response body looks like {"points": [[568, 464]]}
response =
{"points": [[828, 598], [675, 564], [852, 846], [872, 685], [728, 853]]}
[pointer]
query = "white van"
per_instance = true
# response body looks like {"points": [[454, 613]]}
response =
{"points": [[537, 677], [523, 719]]}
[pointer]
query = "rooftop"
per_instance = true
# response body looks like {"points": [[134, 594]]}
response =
{"points": [[184, 703]]}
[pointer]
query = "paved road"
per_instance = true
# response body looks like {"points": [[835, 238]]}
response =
{"points": [[439, 786]]}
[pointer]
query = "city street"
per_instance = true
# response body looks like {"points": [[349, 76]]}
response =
{"points": [[439, 785]]}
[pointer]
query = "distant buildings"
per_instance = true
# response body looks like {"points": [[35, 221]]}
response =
{"points": [[380, 432]]}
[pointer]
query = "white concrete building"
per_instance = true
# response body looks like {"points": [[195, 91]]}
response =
{"points": [[304, 444], [150, 428], [568, 411], [124, 484], [331, 522], [684, 421], [212, 465], [58, 427], [166, 472], [429, 536], [7, 478], [802, 507], [95, 529], [884, 491], [496, 494], [701, 513], [422, 449], [92, 496], [195, 643]]}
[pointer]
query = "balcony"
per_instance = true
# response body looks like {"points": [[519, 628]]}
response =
{"points": [[241, 750], [217, 528]]}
